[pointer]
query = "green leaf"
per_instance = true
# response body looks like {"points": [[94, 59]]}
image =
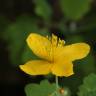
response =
{"points": [[43, 89], [75, 9], [88, 88], [89, 61], [43, 9], [16, 35]]}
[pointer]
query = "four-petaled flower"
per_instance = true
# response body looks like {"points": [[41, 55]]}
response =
{"points": [[56, 57]]}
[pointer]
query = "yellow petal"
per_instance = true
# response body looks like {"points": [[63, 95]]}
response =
{"points": [[72, 52], [36, 67], [62, 68], [40, 45]]}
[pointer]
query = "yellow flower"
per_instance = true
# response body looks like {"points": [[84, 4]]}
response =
{"points": [[56, 57]]}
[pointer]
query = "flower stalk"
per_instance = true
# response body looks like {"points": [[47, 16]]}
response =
{"points": [[57, 85]]}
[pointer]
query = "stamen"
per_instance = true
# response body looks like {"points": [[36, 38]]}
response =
{"points": [[47, 36], [61, 42], [49, 52], [54, 40]]}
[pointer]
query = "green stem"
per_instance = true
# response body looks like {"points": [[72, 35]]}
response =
{"points": [[55, 93], [57, 85]]}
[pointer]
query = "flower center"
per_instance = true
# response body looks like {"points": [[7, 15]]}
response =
{"points": [[55, 43]]}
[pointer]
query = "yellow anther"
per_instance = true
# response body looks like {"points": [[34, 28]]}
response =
{"points": [[54, 40], [61, 42], [47, 37]]}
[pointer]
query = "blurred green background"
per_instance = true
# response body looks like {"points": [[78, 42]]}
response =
{"points": [[71, 20]]}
